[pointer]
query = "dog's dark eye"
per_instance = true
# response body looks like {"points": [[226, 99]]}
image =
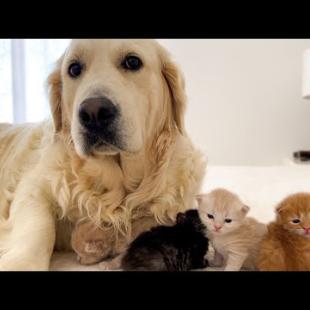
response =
{"points": [[228, 220], [75, 69], [132, 63], [210, 216], [296, 221]]}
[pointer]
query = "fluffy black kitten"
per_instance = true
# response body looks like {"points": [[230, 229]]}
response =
{"points": [[180, 247]]}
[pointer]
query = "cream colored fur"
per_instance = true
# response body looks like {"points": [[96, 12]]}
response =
{"points": [[236, 243], [47, 183]]}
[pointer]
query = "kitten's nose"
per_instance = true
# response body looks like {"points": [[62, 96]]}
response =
{"points": [[307, 230], [217, 227]]}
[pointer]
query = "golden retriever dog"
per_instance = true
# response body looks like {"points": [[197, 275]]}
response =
{"points": [[116, 151]]}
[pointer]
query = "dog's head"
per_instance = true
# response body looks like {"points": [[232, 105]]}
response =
{"points": [[112, 96]]}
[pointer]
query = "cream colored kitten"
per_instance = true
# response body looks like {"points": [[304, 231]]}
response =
{"points": [[234, 236]]}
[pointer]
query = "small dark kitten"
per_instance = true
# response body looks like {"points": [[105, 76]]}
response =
{"points": [[180, 247]]}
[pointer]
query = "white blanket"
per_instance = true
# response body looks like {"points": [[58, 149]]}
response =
{"points": [[261, 188]]}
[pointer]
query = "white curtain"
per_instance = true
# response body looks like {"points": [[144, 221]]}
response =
{"points": [[24, 67]]}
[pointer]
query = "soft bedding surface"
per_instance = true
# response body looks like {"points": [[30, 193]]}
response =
{"points": [[261, 188]]}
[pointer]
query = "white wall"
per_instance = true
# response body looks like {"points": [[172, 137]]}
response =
{"points": [[245, 105]]}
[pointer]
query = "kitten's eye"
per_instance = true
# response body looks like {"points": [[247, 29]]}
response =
{"points": [[210, 216], [295, 221], [132, 63], [228, 220], [75, 69]]}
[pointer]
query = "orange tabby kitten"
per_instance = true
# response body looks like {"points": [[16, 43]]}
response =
{"points": [[286, 247]]}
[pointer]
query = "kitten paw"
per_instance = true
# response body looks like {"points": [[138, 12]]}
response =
{"points": [[104, 266], [110, 265]]}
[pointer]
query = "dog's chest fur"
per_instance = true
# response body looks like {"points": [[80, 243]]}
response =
{"points": [[110, 189]]}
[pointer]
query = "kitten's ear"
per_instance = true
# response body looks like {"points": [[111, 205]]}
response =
{"points": [[245, 209], [199, 199], [180, 218], [279, 209]]}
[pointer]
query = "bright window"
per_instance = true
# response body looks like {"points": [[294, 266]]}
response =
{"points": [[24, 67]]}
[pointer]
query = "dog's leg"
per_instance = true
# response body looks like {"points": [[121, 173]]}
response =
{"points": [[30, 241]]}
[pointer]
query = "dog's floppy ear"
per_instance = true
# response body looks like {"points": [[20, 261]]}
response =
{"points": [[176, 85], [55, 89]]}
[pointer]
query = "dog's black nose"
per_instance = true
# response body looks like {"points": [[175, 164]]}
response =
{"points": [[97, 113]]}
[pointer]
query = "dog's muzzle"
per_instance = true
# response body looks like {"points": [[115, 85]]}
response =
{"points": [[99, 117]]}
